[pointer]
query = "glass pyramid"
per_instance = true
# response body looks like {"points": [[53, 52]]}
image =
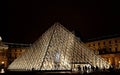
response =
{"points": [[56, 49]]}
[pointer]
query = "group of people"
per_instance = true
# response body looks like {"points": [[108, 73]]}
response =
{"points": [[87, 68]]}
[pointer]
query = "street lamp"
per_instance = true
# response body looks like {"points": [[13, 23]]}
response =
{"points": [[2, 62], [2, 69]]}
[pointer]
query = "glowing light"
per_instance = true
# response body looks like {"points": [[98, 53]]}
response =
{"points": [[57, 57], [2, 62], [2, 71], [119, 62], [0, 38]]}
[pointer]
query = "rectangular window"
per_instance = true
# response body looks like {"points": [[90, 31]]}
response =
{"points": [[110, 50], [15, 50], [20, 50], [103, 43], [98, 43], [109, 42], [89, 45], [15, 55], [115, 41], [115, 49]]}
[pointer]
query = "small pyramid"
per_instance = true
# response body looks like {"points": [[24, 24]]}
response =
{"points": [[56, 49]]}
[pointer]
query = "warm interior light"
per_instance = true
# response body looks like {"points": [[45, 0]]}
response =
{"points": [[119, 62], [2, 62]]}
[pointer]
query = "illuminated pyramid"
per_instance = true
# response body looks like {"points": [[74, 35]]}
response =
{"points": [[56, 49]]}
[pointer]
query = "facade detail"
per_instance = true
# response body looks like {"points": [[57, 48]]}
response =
{"points": [[57, 49], [3, 55], [109, 49], [9, 52], [15, 51]]}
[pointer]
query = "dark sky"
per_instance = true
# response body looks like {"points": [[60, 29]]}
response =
{"points": [[23, 21]]}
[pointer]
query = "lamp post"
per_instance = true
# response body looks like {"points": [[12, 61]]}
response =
{"points": [[2, 67]]}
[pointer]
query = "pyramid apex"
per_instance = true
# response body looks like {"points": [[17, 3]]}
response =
{"points": [[57, 23]]}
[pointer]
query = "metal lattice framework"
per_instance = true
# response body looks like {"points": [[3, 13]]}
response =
{"points": [[56, 49]]}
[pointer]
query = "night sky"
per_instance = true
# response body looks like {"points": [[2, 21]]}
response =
{"points": [[25, 21]]}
